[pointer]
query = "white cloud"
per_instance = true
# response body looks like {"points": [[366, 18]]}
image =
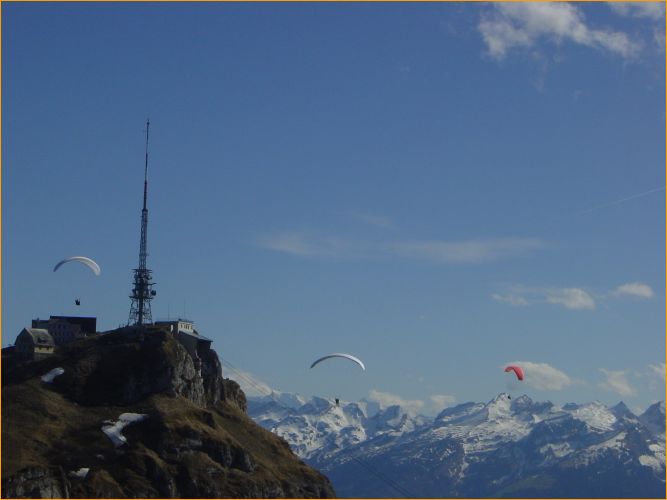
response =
{"points": [[308, 246], [465, 252], [617, 382], [373, 220], [441, 401], [658, 370], [659, 38], [515, 25], [650, 10], [511, 299], [635, 289], [386, 399], [542, 376], [250, 384], [571, 298]]}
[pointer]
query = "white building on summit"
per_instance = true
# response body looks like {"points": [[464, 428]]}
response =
{"points": [[34, 343], [185, 333], [178, 325]]}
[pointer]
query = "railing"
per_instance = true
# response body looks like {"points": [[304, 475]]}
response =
{"points": [[173, 320]]}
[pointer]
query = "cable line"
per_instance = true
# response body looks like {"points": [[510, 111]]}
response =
{"points": [[263, 390]]}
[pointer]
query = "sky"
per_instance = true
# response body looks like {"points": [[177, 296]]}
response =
{"points": [[439, 189]]}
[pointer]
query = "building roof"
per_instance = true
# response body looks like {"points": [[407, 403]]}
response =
{"points": [[195, 335], [175, 320], [40, 336], [73, 317]]}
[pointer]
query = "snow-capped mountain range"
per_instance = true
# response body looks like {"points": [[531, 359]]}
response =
{"points": [[505, 447]]}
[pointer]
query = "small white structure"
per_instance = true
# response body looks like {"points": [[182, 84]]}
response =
{"points": [[178, 325], [34, 343], [185, 333]]}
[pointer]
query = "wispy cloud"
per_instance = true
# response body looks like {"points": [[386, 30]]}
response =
{"points": [[513, 300], [525, 25], [650, 10], [658, 370], [466, 252], [617, 381], [437, 251], [436, 402], [441, 401], [373, 219], [659, 38], [636, 289], [250, 384], [304, 245], [542, 376], [386, 399], [571, 298], [621, 200]]}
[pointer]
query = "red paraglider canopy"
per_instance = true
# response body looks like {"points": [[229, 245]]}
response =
{"points": [[516, 369]]}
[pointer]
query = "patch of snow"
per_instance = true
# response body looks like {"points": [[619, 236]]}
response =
{"points": [[80, 474], [615, 442], [48, 378], [114, 430], [483, 427], [293, 401], [321, 427], [656, 448], [591, 453], [596, 415], [499, 408], [652, 462], [557, 450]]}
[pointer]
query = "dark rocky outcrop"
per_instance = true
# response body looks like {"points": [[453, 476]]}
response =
{"points": [[196, 440]]}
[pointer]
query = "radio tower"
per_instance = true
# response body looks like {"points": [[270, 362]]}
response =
{"points": [[142, 291]]}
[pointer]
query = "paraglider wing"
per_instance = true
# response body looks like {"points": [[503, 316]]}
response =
{"points": [[516, 369], [90, 263], [340, 355]]}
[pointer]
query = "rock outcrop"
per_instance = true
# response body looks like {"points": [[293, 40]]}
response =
{"points": [[187, 434]]}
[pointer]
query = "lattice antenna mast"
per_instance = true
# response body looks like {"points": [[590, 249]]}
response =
{"points": [[142, 291]]}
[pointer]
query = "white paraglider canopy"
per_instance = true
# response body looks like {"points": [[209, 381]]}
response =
{"points": [[340, 355], [88, 262]]}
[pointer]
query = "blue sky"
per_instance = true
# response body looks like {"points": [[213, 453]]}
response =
{"points": [[439, 189]]}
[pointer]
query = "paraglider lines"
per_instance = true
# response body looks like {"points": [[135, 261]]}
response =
{"points": [[263, 390], [259, 388], [383, 478]]}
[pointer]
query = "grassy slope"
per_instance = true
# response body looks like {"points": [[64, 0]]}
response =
{"points": [[180, 450]]}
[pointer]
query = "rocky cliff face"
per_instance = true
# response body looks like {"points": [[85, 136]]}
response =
{"points": [[131, 416]]}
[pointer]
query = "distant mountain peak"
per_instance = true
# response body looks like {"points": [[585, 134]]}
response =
{"points": [[654, 417], [621, 410], [503, 447]]}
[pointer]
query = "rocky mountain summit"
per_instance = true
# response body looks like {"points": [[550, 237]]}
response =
{"points": [[129, 414], [503, 448]]}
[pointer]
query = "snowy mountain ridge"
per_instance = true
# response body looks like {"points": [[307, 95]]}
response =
{"points": [[514, 445], [320, 427]]}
